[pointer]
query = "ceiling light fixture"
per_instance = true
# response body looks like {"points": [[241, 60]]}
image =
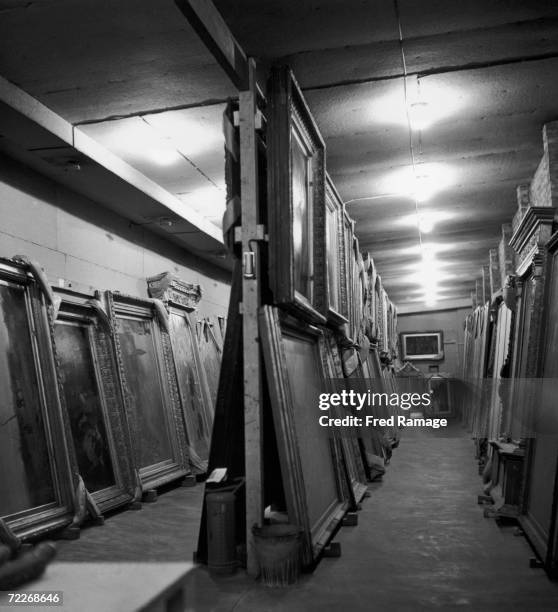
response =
{"points": [[420, 116]]}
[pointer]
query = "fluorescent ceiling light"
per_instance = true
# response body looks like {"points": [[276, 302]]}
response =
{"points": [[135, 140], [421, 182], [191, 136], [420, 116], [434, 103], [208, 201]]}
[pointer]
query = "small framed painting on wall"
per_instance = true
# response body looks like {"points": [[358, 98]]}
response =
{"points": [[422, 345]]}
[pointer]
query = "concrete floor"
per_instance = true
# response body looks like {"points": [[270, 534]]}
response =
{"points": [[421, 544]]}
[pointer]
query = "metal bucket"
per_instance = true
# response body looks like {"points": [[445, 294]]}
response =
{"points": [[278, 554]]}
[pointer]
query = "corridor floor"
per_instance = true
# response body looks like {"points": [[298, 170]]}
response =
{"points": [[421, 544]]}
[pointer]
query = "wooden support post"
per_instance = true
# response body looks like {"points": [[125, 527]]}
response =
{"points": [[253, 430], [214, 32]]}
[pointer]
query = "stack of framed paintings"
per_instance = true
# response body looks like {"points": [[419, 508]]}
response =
{"points": [[532, 418], [319, 286], [315, 291]]}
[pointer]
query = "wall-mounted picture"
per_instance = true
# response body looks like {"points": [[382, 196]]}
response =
{"points": [[422, 345], [297, 212]]}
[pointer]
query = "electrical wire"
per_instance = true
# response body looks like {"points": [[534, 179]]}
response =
{"points": [[374, 197], [409, 126]]}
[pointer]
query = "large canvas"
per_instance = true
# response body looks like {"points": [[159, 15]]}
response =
{"points": [[153, 402], [93, 399], [181, 300], [312, 479], [296, 188], [196, 400], [36, 472]]}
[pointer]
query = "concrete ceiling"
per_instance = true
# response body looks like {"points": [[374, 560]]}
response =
{"points": [[486, 68]]}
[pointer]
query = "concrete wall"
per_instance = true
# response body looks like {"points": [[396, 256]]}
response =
{"points": [[89, 247], [450, 322]]}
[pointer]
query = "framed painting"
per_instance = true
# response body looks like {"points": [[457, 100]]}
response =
{"points": [[36, 465], [312, 475], [348, 284], [371, 442], [540, 508], [359, 289], [422, 346], [148, 375], [348, 441], [297, 208], [370, 304], [335, 257], [92, 395], [211, 353], [379, 312], [181, 300]]}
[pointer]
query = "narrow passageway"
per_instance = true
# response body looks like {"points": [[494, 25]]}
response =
{"points": [[421, 544]]}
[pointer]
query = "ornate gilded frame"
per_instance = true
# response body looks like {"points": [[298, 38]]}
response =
{"points": [[292, 125], [87, 311], [347, 278], [297, 474], [35, 521], [181, 300], [336, 307], [534, 245], [148, 311]]}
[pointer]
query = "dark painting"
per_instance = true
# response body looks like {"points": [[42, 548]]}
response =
{"points": [[148, 414], [302, 209], [25, 473], [84, 406], [197, 425], [422, 345]]}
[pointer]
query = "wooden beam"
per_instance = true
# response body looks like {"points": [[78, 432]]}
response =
{"points": [[253, 429], [207, 22]]}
